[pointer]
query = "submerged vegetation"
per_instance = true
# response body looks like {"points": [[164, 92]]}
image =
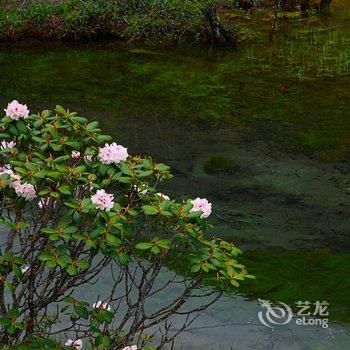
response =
{"points": [[219, 165], [292, 276]]}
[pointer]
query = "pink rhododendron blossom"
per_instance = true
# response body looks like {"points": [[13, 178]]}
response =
{"points": [[201, 204], [6, 169], [103, 200], [132, 347], [101, 306], [112, 153], [75, 344], [44, 202], [76, 154], [15, 110], [26, 190], [7, 145], [24, 269], [88, 157], [164, 196]]}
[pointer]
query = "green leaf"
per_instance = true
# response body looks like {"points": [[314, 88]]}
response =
{"points": [[83, 264], [59, 109], [164, 243], [48, 230], [43, 192], [155, 249], [104, 138], [161, 167], [9, 286], [125, 169], [81, 311], [65, 189], [92, 125], [55, 194], [112, 240], [22, 127], [149, 210], [195, 268], [79, 120], [11, 328], [44, 256], [71, 270], [144, 246], [13, 313], [51, 264], [62, 262]]}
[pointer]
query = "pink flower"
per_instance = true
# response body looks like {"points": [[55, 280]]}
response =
{"points": [[132, 347], [44, 202], [88, 157], [163, 196], [24, 269], [6, 169], [201, 204], [103, 200], [7, 145], [75, 154], [26, 190], [112, 153], [15, 110], [75, 344], [101, 306]]}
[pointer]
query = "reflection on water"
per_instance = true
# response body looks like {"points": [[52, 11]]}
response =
{"points": [[267, 115]]}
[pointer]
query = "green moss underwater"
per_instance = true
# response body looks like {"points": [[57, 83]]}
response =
{"points": [[288, 276]]}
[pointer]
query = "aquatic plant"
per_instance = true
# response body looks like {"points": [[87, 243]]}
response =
{"points": [[74, 206], [218, 165]]}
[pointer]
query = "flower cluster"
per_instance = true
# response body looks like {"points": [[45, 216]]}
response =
{"points": [[24, 269], [163, 196], [113, 153], [15, 110], [26, 190], [7, 145], [6, 169], [44, 202], [201, 204], [103, 200], [74, 344], [75, 154], [102, 306], [88, 157]]}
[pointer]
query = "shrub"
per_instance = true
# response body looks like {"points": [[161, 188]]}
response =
{"points": [[74, 206]]}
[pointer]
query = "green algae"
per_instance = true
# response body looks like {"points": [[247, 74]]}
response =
{"points": [[290, 276], [209, 87], [218, 165]]}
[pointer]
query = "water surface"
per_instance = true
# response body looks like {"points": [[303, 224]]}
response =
{"points": [[272, 117]]}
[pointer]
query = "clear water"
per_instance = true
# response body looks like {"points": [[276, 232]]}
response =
{"points": [[274, 117]]}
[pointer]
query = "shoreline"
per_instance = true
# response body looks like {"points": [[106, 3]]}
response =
{"points": [[223, 24]]}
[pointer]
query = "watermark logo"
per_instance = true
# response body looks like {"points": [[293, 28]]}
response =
{"points": [[308, 314], [274, 315]]}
